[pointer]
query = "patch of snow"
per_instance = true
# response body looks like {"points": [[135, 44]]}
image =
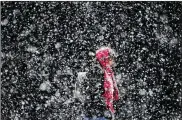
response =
{"points": [[68, 101], [4, 22], [32, 49], [57, 45], [142, 91], [58, 72], [173, 42], [100, 37], [15, 12], [81, 76], [45, 86], [118, 77], [25, 33], [164, 19], [57, 94], [91, 54], [22, 102], [77, 94], [162, 59], [14, 21], [150, 92]]}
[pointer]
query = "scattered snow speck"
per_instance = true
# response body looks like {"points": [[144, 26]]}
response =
{"points": [[38, 107], [25, 33], [57, 45], [91, 54], [14, 21], [4, 22], [57, 94], [81, 75], [164, 19], [22, 102], [118, 78], [15, 12], [58, 72], [67, 71], [45, 86], [16, 118], [142, 91], [100, 37], [150, 92], [77, 94], [173, 42], [162, 59], [32, 49], [68, 101]]}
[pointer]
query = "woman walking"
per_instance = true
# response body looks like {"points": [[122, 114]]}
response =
{"points": [[102, 101]]}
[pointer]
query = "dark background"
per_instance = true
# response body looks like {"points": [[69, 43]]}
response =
{"points": [[49, 43]]}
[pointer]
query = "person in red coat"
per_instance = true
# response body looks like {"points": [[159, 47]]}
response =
{"points": [[111, 93], [100, 88]]}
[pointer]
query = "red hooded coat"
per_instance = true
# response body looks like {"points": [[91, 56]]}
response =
{"points": [[111, 92]]}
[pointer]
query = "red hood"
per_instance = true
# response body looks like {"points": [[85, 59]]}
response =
{"points": [[102, 56]]}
